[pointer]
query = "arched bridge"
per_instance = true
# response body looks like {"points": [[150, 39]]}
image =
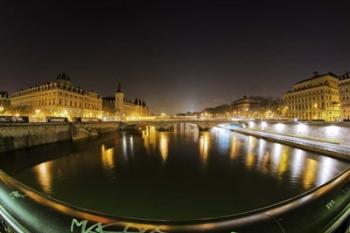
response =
{"points": [[166, 124]]}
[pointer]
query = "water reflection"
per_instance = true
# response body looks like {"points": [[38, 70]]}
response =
{"points": [[223, 138], [263, 156], [284, 161], [125, 146], [250, 152], [149, 137], [131, 143], [235, 147], [44, 176], [262, 149], [310, 172], [273, 158], [204, 146], [297, 162], [137, 160], [107, 157], [164, 145], [326, 170]]}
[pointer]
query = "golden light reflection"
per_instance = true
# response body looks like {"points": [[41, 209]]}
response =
{"points": [[250, 155], [149, 137], [44, 176], [309, 173], [284, 161], [204, 145], [250, 159], [235, 146], [107, 157], [164, 145]]}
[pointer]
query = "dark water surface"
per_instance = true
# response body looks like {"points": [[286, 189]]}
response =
{"points": [[184, 174]]}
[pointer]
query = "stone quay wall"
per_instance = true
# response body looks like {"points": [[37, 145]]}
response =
{"points": [[337, 133], [20, 136]]}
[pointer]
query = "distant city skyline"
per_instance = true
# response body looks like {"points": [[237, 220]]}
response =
{"points": [[178, 56]]}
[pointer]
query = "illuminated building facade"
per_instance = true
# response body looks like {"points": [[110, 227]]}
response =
{"points": [[108, 107], [59, 98], [126, 109], [344, 90], [4, 99], [118, 107], [316, 98], [257, 107]]}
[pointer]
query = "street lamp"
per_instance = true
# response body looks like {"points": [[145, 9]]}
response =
{"points": [[2, 108]]}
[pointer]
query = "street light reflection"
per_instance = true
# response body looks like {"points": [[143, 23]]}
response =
{"points": [[44, 176], [310, 172], [164, 145], [107, 157], [204, 145]]}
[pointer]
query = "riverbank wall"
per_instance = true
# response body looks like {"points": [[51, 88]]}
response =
{"points": [[335, 133], [20, 136]]}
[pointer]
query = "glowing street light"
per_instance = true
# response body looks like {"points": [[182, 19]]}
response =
{"points": [[2, 108], [302, 128]]}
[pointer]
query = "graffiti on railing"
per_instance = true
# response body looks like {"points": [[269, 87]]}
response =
{"points": [[85, 227], [16, 195]]}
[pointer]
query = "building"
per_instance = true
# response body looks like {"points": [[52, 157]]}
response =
{"points": [[316, 98], [257, 107], [4, 99], [344, 91], [59, 98], [248, 107], [118, 107], [126, 109], [108, 107]]}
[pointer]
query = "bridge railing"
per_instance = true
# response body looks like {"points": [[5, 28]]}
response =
{"points": [[323, 210]]}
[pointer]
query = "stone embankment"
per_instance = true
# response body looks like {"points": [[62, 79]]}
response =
{"points": [[19, 136]]}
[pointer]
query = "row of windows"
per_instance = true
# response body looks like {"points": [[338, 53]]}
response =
{"points": [[46, 88], [59, 93], [308, 106], [61, 102], [315, 115], [344, 90], [307, 100]]}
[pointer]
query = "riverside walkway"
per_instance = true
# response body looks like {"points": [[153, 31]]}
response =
{"points": [[332, 149]]}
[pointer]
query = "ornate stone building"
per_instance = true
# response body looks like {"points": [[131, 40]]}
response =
{"points": [[257, 107], [4, 99], [128, 109], [59, 98], [121, 108], [344, 90], [316, 98]]}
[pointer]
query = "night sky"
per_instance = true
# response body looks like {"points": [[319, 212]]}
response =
{"points": [[177, 55]]}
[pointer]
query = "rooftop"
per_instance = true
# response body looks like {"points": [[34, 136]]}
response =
{"points": [[317, 75]]}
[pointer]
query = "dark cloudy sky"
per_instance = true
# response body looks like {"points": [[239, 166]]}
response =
{"points": [[178, 55]]}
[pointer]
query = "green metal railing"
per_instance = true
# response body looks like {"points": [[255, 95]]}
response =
{"points": [[325, 209]]}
